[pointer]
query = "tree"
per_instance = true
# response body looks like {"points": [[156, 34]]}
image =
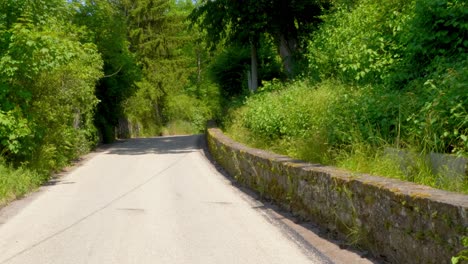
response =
{"points": [[235, 20], [245, 21], [290, 22], [108, 25], [47, 78], [159, 36]]}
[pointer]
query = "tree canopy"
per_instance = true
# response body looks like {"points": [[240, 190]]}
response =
{"points": [[287, 22]]}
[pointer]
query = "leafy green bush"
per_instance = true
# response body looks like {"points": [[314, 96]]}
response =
{"points": [[440, 119], [409, 59], [434, 31], [351, 127], [337, 111], [359, 44], [301, 113], [47, 77], [13, 128], [286, 113]]}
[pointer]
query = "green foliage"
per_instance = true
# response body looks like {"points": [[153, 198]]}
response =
{"points": [[299, 113], [108, 30], [47, 78], [148, 24], [143, 110], [48, 72], [229, 70], [275, 115], [247, 22], [435, 30], [333, 123], [462, 256], [13, 128], [417, 47], [154, 28], [440, 120], [63, 111], [175, 89], [387, 41], [361, 45], [179, 127], [326, 110], [16, 182], [382, 74]]}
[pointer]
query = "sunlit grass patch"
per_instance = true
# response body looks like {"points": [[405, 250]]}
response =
{"points": [[15, 183]]}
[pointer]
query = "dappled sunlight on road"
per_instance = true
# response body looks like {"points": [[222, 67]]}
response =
{"points": [[158, 145]]}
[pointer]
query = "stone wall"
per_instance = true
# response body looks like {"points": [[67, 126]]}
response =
{"points": [[399, 221]]}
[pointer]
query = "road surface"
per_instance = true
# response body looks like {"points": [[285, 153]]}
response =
{"points": [[155, 200]]}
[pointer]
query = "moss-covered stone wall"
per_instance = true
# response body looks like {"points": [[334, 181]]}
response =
{"points": [[399, 221]]}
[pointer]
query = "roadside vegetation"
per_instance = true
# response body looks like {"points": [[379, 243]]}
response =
{"points": [[75, 73], [345, 83], [377, 86]]}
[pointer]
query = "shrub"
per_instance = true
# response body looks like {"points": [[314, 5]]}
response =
{"points": [[440, 120], [409, 60], [434, 31], [358, 44], [47, 101]]}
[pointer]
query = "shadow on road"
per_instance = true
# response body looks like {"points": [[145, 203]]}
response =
{"points": [[158, 145]]}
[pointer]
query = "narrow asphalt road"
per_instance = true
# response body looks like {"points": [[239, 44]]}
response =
{"points": [[156, 200]]}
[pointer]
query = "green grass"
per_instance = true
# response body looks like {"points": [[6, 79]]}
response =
{"points": [[15, 183], [362, 159], [375, 161]]}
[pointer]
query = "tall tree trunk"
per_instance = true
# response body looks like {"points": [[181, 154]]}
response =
{"points": [[287, 47], [254, 68]]}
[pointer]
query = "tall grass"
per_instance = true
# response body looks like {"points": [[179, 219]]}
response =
{"points": [[17, 182]]}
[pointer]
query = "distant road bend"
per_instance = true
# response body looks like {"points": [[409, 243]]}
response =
{"points": [[154, 200]]}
